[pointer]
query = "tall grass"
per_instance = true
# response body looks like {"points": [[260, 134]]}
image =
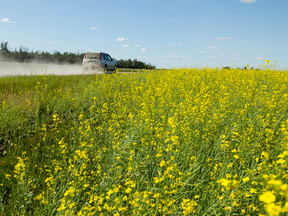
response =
{"points": [[182, 141]]}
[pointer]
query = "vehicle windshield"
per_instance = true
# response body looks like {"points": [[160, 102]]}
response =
{"points": [[92, 56]]}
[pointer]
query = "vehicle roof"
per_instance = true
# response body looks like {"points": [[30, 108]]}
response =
{"points": [[98, 52]]}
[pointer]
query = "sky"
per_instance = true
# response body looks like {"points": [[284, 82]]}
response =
{"points": [[183, 33]]}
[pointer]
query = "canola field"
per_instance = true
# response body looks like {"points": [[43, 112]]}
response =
{"points": [[198, 141]]}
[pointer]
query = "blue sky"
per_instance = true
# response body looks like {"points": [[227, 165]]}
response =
{"points": [[168, 33]]}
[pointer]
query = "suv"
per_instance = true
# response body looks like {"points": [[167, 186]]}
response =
{"points": [[100, 60]]}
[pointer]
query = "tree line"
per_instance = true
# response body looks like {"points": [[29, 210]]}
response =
{"points": [[133, 64], [24, 55]]}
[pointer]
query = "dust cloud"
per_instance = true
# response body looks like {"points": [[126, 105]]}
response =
{"points": [[20, 69]]}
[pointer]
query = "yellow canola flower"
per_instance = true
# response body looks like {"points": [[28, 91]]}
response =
{"points": [[245, 179], [128, 190], [285, 207], [70, 191], [267, 197], [110, 192], [39, 197], [280, 156], [156, 195], [20, 166], [273, 209], [228, 175], [225, 183], [281, 161], [61, 207], [253, 190], [236, 156], [193, 158], [228, 208], [275, 182], [284, 187], [188, 206], [235, 183], [159, 155], [162, 163]]}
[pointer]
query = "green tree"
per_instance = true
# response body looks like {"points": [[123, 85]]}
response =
{"points": [[4, 47]]}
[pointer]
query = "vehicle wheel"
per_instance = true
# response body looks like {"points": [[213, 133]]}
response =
{"points": [[105, 69], [115, 68]]}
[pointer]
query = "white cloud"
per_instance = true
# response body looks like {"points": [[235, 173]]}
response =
{"points": [[136, 46], [54, 42], [260, 58], [178, 44], [247, 1], [225, 38], [171, 56], [203, 52], [93, 28], [125, 45], [212, 47], [210, 57], [122, 39], [143, 50], [241, 44], [7, 20], [221, 55], [168, 45], [98, 41]]}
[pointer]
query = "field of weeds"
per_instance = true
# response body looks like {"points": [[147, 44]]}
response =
{"points": [[169, 142]]}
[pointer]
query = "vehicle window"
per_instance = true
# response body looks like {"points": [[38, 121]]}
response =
{"points": [[104, 56], [109, 58], [92, 56]]}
